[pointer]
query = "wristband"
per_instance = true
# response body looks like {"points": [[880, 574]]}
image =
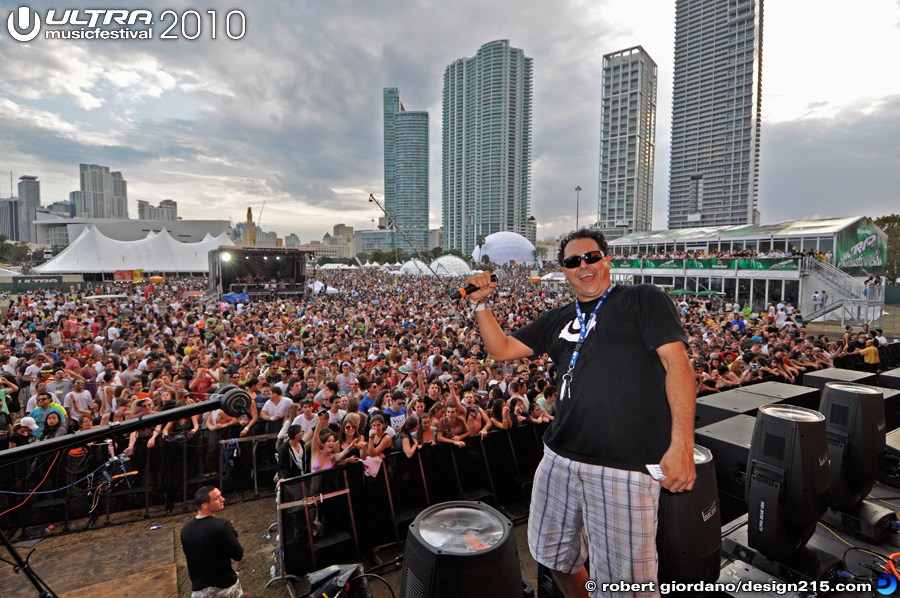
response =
{"points": [[480, 307]]}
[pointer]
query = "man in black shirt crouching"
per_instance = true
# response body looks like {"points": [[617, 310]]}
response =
{"points": [[210, 544]]}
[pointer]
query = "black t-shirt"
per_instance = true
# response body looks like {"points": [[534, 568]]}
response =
{"points": [[618, 414], [209, 545]]}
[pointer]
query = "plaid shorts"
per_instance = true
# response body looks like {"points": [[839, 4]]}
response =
{"points": [[579, 509], [234, 591]]}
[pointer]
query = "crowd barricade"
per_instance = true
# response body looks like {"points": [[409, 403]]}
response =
{"points": [[317, 520], [375, 512]]}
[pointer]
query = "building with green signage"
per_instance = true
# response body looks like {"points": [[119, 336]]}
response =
{"points": [[683, 259]]}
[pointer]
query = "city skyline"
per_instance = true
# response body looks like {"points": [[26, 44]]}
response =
{"points": [[291, 113]]}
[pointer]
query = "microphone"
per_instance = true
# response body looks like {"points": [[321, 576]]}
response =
{"points": [[496, 276]]}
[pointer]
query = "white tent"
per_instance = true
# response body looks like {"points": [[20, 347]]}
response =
{"points": [[450, 265], [505, 247], [416, 268], [93, 251]]}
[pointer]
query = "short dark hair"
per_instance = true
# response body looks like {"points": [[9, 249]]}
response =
{"points": [[201, 497], [582, 233], [294, 430]]}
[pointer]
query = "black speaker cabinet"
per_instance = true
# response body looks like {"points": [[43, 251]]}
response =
{"points": [[789, 394], [891, 473], [819, 378], [891, 408], [729, 442], [716, 407], [890, 379]]}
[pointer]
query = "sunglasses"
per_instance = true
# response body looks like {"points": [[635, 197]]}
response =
{"points": [[591, 257]]}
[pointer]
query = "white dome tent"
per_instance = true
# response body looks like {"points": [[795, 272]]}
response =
{"points": [[504, 247], [450, 265], [416, 268]]}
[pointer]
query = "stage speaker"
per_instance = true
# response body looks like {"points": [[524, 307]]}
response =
{"points": [[688, 536], [461, 548], [890, 379], [891, 473], [820, 378], [891, 408], [787, 394], [717, 407], [729, 442]]}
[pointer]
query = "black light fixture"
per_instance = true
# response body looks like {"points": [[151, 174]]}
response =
{"points": [[689, 532], [787, 481], [855, 421], [461, 548], [787, 494], [854, 416]]}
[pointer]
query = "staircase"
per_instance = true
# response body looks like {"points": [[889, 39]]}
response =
{"points": [[855, 300]]}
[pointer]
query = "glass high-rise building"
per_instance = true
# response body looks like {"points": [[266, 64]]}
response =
{"points": [[406, 171], [486, 162], [29, 202], [104, 194], [627, 142], [716, 108]]}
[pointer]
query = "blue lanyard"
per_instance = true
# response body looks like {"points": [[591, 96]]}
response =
{"points": [[586, 328]]}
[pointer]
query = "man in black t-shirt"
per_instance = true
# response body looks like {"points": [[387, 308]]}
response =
{"points": [[210, 544], [626, 403]]}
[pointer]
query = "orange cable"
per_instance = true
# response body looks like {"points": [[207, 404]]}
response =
{"points": [[49, 469]]}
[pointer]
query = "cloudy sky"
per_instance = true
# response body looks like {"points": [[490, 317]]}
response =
{"points": [[291, 113]]}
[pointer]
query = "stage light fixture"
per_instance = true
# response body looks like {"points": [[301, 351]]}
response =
{"points": [[689, 533], [277, 257], [265, 257], [226, 257], [787, 481], [461, 548]]}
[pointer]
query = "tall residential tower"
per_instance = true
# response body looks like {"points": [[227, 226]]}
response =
{"points": [[104, 194], [29, 202], [627, 141], [406, 171], [486, 163], [716, 106]]}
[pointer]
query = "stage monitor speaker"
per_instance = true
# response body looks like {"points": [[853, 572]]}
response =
{"points": [[891, 473], [891, 408], [689, 534], [729, 442], [719, 406], [788, 394], [819, 378], [890, 379]]}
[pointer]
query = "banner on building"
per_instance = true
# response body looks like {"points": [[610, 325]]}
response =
{"points": [[768, 264], [862, 249], [128, 275]]}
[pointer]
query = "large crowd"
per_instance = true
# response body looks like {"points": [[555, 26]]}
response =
{"points": [[389, 363]]}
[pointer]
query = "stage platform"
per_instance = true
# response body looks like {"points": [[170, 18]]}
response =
{"points": [[136, 566]]}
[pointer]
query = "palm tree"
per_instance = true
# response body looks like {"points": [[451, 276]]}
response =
{"points": [[3, 246]]}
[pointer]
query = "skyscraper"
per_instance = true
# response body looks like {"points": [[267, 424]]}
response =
{"points": [[486, 162], [627, 142], [29, 202], [167, 210], [406, 171], [104, 194], [716, 107]]}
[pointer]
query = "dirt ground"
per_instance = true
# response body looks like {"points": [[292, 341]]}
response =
{"points": [[251, 520]]}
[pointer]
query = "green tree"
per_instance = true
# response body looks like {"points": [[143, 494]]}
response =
{"points": [[486, 259], [891, 226], [540, 253], [3, 247], [479, 240]]}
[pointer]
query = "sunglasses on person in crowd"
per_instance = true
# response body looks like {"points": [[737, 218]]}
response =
{"points": [[591, 257]]}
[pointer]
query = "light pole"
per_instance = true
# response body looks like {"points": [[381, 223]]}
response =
{"points": [[577, 193]]}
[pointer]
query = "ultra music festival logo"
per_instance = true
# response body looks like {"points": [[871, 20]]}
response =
{"points": [[25, 24]]}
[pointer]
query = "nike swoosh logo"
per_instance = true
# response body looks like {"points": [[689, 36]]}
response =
{"points": [[572, 331]]}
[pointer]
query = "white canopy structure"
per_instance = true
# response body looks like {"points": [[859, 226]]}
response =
{"points": [[416, 268], [504, 247], [450, 265], [93, 251]]}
